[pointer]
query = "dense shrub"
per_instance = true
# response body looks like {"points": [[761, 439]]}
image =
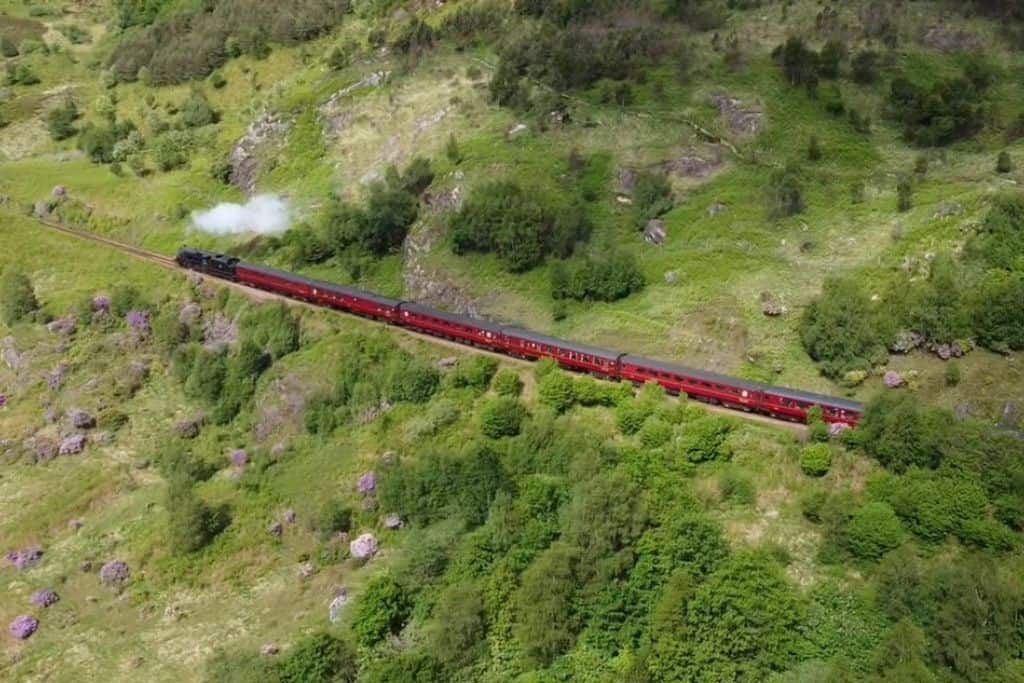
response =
{"points": [[192, 524], [318, 658], [609, 278], [652, 197], [504, 219], [411, 381], [17, 298], [1000, 241], [901, 434], [334, 516], [865, 67], [1004, 164], [197, 112], [192, 44], [460, 624], [382, 610], [631, 414], [816, 459], [436, 485], [61, 120], [507, 383], [705, 439], [800, 64], [474, 372], [557, 390], [272, 328], [873, 530], [502, 416], [785, 193]]}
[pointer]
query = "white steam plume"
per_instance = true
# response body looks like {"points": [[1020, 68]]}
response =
{"points": [[264, 214]]}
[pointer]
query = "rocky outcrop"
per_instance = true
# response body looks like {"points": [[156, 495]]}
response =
{"points": [[743, 120], [247, 157]]}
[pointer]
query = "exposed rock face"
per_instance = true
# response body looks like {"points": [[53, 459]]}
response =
{"points": [[336, 118], [671, 277], [13, 359], [55, 378], [517, 131], [219, 332], [65, 326], [946, 39], [716, 209], [190, 313], [627, 179], [693, 165], [189, 429], [743, 120], [1011, 416], [337, 607], [81, 419], [266, 132], [393, 522]]}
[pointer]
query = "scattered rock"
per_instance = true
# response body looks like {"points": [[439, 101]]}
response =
{"points": [[692, 165], [893, 379], [1010, 417], [59, 192], [906, 342], [45, 450], [86, 567], [337, 606], [73, 445], [13, 359], [447, 363], [743, 121], [26, 558], [367, 484], [190, 313], [393, 522], [627, 179], [836, 429], [771, 306], [450, 200], [368, 504], [189, 429], [81, 419], [388, 458], [655, 232], [76, 524], [624, 200], [219, 332], [289, 516], [44, 598], [276, 529], [269, 650], [336, 118], [716, 209], [948, 209], [364, 547], [115, 573], [23, 627], [963, 411], [671, 277], [517, 130], [55, 378], [306, 571], [65, 326]]}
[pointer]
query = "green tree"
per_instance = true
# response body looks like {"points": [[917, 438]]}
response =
{"points": [[17, 298], [547, 622], [904, 195], [842, 330], [460, 626], [382, 609], [452, 150], [389, 214], [1004, 164], [507, 383]]}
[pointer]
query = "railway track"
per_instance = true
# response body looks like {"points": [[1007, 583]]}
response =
{"points": [[169, 263]]}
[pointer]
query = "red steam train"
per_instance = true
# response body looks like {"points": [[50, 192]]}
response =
{"points": [[731, 392]]}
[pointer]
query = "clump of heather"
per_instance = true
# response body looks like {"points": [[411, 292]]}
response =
{"points": [[23, 627], [101, 304], [367, 483], [364, 547], [239, 458], [45, 598], [114, 573], [138, 321], [27, 558]]}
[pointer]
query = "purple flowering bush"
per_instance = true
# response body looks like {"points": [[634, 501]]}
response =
{"points": [[239, 458], [101, 303], [893, 379], [114, 573], [364, 547], [27, 558], [44, 598], [23, 627], [367, 483], [138, 321]]}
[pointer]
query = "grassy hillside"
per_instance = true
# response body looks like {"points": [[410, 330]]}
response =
{"points": [[530, 525]]}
